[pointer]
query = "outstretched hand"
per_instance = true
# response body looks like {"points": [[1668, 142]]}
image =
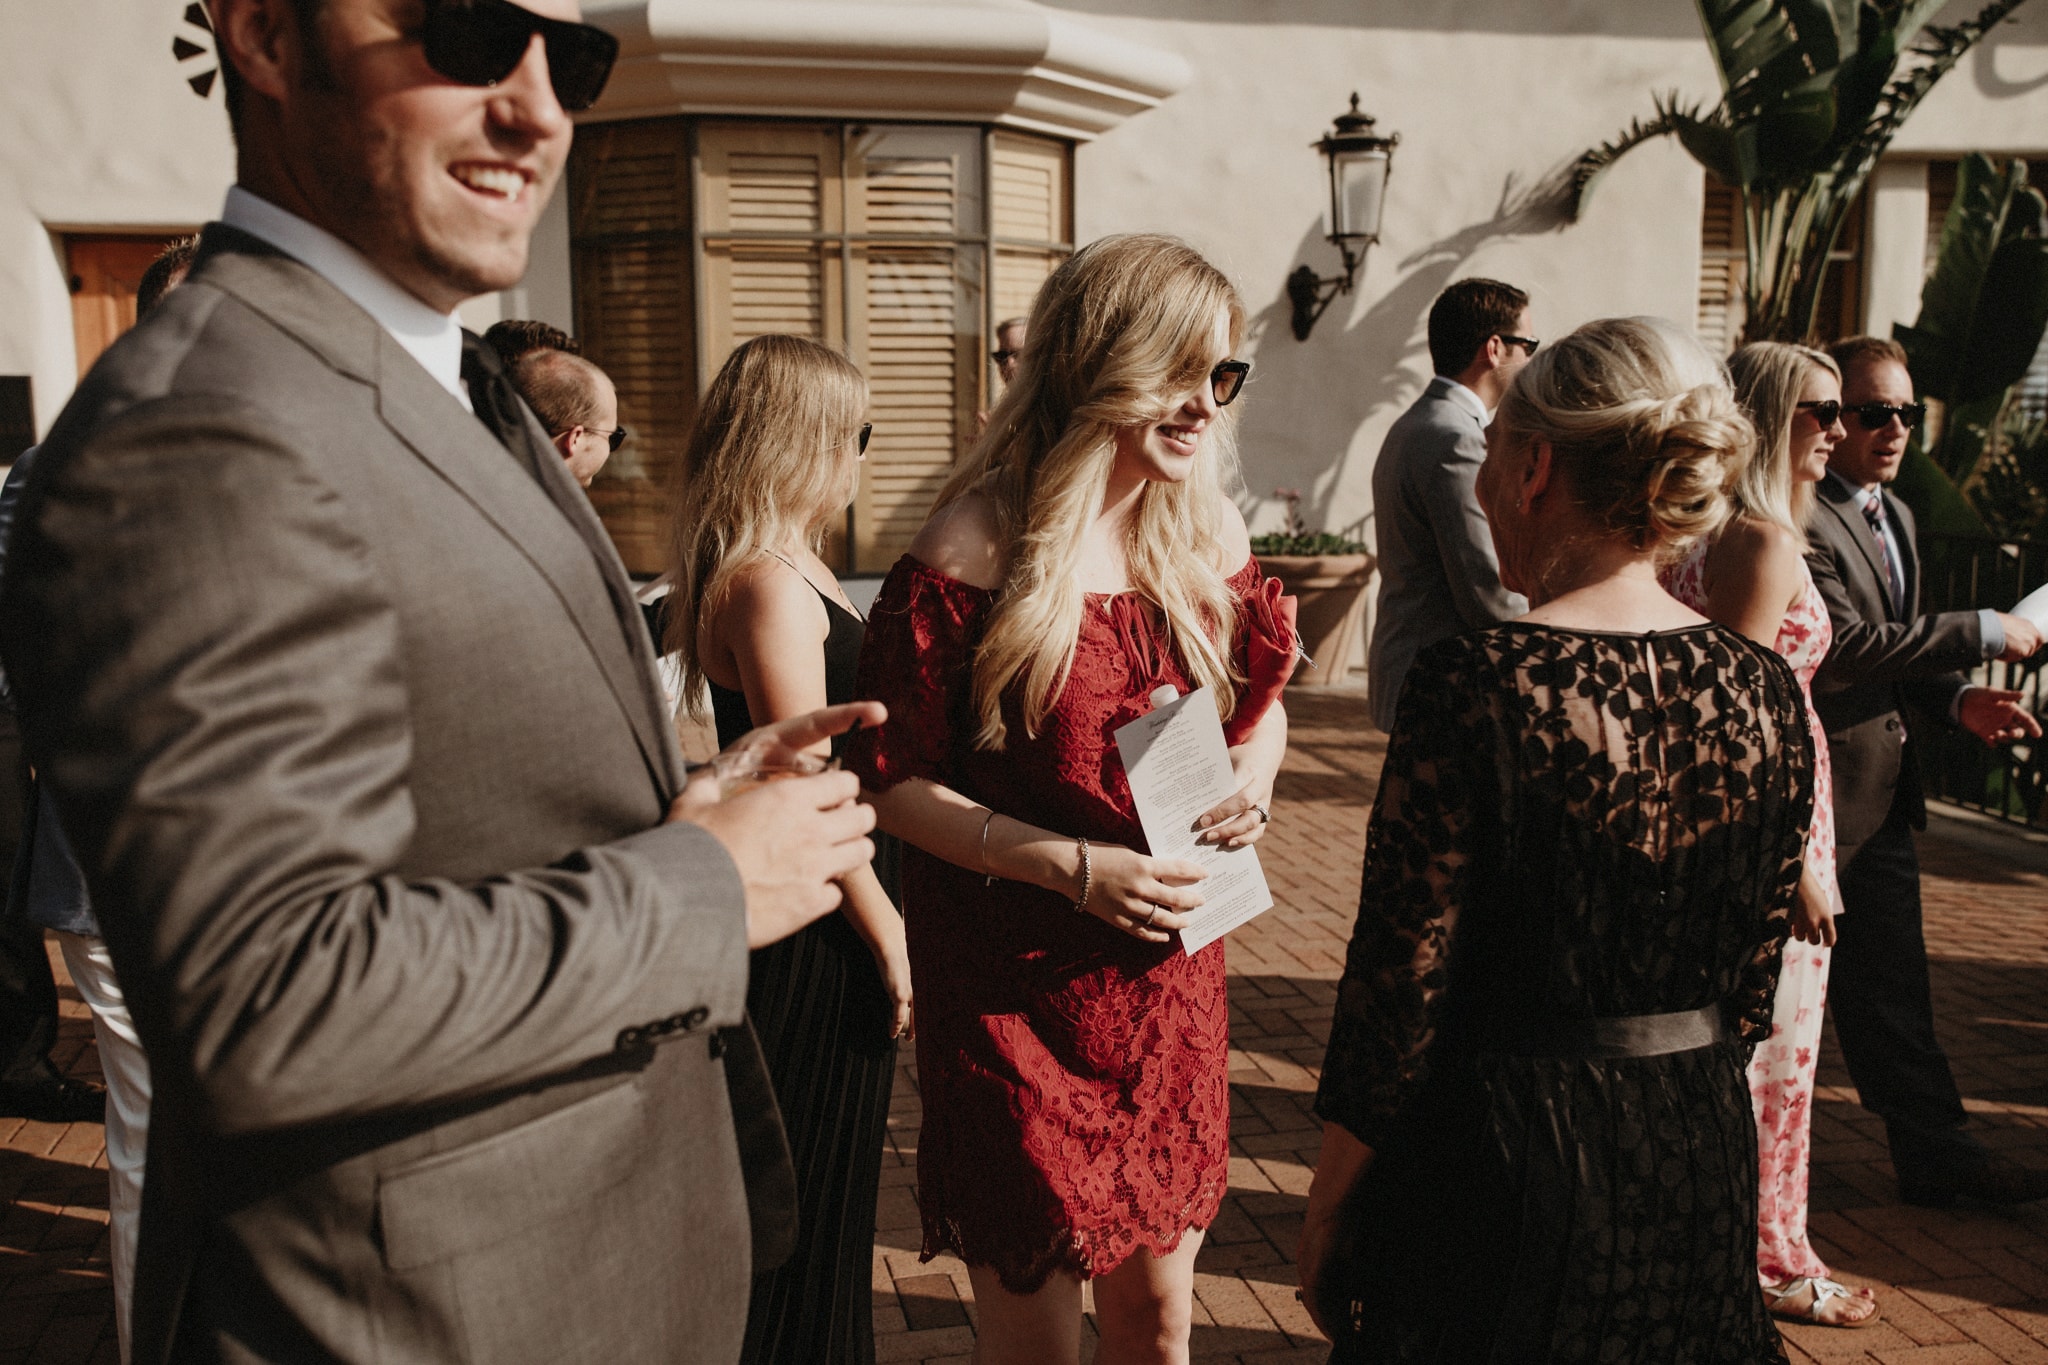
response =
{"points": [[1997, 716]]}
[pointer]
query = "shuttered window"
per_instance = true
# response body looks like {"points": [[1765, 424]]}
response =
{"points": [[1720, 312], [1027, 215], [629, 212], [902, 244], [1720, 315]]}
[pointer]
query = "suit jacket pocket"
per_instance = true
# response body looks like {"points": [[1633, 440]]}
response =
{"points": [[476, 1196]]}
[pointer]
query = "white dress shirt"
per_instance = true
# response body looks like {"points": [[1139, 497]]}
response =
{"points": [[430, 337]]}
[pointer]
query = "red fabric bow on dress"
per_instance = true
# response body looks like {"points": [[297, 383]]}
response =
{"points": [[1271, 647]]}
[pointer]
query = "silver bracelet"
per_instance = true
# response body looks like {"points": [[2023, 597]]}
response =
{"points": [[986, 822], [1087, 876]]}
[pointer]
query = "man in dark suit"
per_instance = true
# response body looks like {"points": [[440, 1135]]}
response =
{"points": [[341, 695], [1890, 672], [1438, 574]]}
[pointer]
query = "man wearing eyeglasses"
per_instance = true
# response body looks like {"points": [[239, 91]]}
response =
{"points": [[340, 692], [1438, 573], [577, 406], [1889, 672]]}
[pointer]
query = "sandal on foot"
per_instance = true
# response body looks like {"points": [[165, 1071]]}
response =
{"points": [[1824, 1289]]}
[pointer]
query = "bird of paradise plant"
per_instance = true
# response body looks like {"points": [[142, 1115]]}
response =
{"points": [[1813, 91]]}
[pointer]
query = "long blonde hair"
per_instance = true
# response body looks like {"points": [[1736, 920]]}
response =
{"points": [[1118, 333], [1644, 426], [766, 464], [1769, 377]]}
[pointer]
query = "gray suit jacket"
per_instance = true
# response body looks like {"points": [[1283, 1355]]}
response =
{"points": [[356, 730], [1438, 574], [1881, 663]]}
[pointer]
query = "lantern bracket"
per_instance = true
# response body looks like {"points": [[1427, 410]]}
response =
{"points": [[1351, 136]]}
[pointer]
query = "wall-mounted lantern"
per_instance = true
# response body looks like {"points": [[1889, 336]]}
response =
{"points": [[1359, 161]]}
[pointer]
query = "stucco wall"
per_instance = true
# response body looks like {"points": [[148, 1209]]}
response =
{"points": [[102, 134], [1490, 98]]}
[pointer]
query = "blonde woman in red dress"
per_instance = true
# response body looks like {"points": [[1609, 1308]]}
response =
{"points": [[1752, 577], [1071, 1057]]}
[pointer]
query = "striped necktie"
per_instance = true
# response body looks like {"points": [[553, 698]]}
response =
{"points": [[1873, 512]]}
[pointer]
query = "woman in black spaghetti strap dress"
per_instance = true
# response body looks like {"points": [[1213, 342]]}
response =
{"points": [[760, 621]]}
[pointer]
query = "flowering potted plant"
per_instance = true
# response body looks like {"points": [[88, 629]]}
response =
{"points": [[1328, 574]]}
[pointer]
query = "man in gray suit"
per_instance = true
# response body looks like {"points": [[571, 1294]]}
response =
{"points": [[1438, 574], [345, 704], [1889, 673]]}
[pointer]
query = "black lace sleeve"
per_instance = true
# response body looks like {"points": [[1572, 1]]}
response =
{"points": [[1437, 790], [1785, 814]]}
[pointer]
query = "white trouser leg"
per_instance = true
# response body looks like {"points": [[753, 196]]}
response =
{"points": [[127, 1074]]}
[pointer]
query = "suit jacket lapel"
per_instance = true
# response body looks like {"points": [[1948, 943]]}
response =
{"points": [[551, 524], [1907, 534], [1844, 507], [544, 524]]}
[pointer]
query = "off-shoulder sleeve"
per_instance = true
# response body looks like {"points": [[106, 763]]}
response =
{"points": [[1265, 648], [916, 659], [1438, 795]]}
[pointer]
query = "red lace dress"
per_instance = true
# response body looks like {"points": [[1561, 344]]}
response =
{"points": [[1075, 1079], [1781, 1074]]}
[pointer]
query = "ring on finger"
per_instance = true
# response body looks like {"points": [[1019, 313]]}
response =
{"points": [[1265, 816], [1151, 913]]}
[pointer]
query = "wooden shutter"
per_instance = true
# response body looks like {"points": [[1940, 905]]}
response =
{"points": [[1941, 192], [1029, 201], [914, 322], [1719, 316], [629, 190], [774, 179]]}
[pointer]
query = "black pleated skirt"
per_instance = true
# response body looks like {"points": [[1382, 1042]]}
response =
{"points": [[824, 1017]]}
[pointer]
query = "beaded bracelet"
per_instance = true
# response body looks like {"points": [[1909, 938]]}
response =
{"points": [[1087, 876]]}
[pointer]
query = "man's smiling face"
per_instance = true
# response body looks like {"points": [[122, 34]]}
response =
{"points": [[439, 184]]}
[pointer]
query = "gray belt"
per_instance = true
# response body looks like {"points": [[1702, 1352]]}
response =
{"points": [[1631, 1035]]}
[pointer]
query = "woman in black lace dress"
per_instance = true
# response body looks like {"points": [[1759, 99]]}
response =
{"points": [[1538, 1143]]}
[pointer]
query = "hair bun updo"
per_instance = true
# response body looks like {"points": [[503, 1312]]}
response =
{"points": [[1643, 425]]}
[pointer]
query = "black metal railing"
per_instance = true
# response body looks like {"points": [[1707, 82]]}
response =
{"points": [[1964, 573]]}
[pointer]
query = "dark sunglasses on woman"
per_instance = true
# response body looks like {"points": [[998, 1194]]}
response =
{"points": [[481, 42], [1227, 379]]}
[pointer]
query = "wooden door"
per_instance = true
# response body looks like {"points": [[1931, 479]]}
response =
{"points": [[105, 273]]}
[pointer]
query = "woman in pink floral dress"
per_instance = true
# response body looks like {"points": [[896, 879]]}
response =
{"points": [[1752, 577]]}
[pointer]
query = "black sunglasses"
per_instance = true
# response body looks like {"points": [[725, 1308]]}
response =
{"points": [[1824, 410], [1227, 379], [1877, 416], [614, 438], [867, 429], [1528, 344], [481, 42]]}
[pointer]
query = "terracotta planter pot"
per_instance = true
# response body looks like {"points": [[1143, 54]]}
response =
{"points": [[1331, 590]]}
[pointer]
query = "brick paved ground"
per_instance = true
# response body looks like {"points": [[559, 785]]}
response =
{"points": [[1956, 1287]]}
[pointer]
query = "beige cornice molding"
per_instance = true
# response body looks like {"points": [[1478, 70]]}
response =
{"points": [[982, 61]]}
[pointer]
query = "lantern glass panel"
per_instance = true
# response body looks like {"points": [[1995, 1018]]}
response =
{"points": [[1358, 191]]}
